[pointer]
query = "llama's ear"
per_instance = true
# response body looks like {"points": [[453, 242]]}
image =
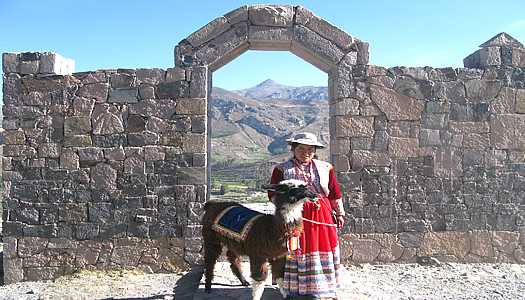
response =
{"points": [[268, 186]]}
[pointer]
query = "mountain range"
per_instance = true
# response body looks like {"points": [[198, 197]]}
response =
{"points": [[257, 121]]}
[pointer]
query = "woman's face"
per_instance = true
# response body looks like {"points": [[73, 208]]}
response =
{"points": [[304, 153]]}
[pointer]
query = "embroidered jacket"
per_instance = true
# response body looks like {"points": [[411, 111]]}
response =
{"points": [[318, 174]]}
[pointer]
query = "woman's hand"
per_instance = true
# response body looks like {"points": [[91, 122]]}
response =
{"points": [[340, 221]]}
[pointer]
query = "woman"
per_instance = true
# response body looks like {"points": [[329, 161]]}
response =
{"points": [[313, 272]]}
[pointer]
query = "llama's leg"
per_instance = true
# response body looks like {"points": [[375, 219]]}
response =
{"points": [[259, 273], [212, 251], [235, 265], [278, 266]]}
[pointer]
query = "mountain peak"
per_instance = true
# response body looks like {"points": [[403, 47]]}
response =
{"points": [[268, 82]]}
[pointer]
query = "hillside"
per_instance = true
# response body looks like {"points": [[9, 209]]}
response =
{"points": [[249, 127]]}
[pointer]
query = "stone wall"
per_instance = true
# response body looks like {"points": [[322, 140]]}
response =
{"points": [[102, 170], [108, 169], [435, 158]]}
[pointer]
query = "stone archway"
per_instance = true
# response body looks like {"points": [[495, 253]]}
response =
{"points": [[273, 28]]}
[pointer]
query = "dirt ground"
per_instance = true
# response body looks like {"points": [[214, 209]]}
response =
{"points": [[389, 281]]}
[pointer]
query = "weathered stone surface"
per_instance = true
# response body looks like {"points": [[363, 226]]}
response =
{"points": [[49, 150], [507, 131], [134, 165], [370, 158], [448, 162], [83, 106], [77, 125], [238, 15], [395, 105], [208, 32], [365, 250], [191, 106], [403, 147], [175, 74], [330, 32], [221, 50], [194, 143], [78, 141], [14, 137], [103, 177], [173, 90], [271, 15], [163, 109], [451, 242], [345, 107], [482, 90], [154, 153], [69, 160], [127, 256], [315, 49], [481, 244], [90, 154], [469, 127], [355, 126], [270, 38], [142, 138], [520, 101], [97, 91], [107, 119], [151, 76], [123, 95]]}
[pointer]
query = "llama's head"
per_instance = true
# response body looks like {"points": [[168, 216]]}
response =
{"points": [[291, 192]]}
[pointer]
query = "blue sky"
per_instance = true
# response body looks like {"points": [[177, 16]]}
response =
{"points": [[142, 34]]}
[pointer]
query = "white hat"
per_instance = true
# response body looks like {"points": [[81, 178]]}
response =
{"points": [[305, 138]]}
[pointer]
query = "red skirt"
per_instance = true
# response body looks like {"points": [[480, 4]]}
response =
{"points": [[316, 269]]}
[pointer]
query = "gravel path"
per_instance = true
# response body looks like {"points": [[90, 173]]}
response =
{"points": [[390, 281]]}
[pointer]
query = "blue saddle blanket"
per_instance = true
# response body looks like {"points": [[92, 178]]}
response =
{"points": [[235, 222]]}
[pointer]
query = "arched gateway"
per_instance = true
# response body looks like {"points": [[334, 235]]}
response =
{"points": [[109, 169], [272, 28]]}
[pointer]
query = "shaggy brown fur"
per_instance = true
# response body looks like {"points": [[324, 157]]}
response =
{"points": [[264, 243]]}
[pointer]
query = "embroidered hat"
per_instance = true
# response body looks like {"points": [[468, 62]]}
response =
{"points": [[305, 138]]}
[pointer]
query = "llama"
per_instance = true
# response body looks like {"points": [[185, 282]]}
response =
{"points": [[268, 240]]}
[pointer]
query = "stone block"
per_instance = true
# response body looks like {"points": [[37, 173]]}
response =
{"points": [[482, 90], [270, 38], [51, 150], [191, 106], [194, 143], [208, 32], [90, 154], [173, 90], [469, 127], [490, 56], [476, 141], [271, 15], [13, 270], [79, 141], [315, 49], [103, 177], [151, 76], [365, 250], [345, 107], [330, 32], [340, 146], [14, 137], [341, 163], [134, 165], [396, 106], [429, 138], [191, 175], [77, 125], [12, 89], [518, 57], [370, 158], [238, 15], [97, 91], [11, 62], [520, 101], [123, 95], [507, 131], [403, 147], [199, 82], [354, 126], [363, 54], [446, 242], [107, 119], [175, 74]]}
